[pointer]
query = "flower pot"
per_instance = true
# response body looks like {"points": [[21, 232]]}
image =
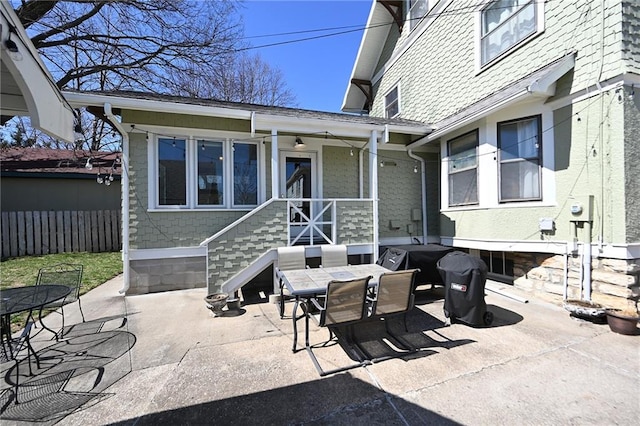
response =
{"points": [[622, 323], [585, 310], [216, 302]]}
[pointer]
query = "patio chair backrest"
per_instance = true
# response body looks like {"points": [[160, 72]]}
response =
{"points": [[62, 274], [394, 259], [333, 255], [293, 257], [395, 292], [345, 301]]}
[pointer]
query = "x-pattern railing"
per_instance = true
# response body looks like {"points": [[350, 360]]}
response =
{"points": [[311, 224]]}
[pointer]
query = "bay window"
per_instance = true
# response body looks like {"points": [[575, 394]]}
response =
{"points": [[201, 173], [506, 23], [519, 146], [463, 169]]}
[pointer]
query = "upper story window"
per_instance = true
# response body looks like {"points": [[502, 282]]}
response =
{"points": [[200, 173], [392, 103], [519, 145], [463, 169], [417, 9], [506, 23]]}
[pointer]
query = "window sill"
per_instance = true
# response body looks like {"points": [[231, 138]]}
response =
{"points": [[204, 209], [503, 206]]}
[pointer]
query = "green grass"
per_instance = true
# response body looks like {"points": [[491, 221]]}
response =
{"points": [[20, 271], [98, 268]]}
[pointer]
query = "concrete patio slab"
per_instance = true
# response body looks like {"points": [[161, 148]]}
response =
{"points": [[533, 365]]}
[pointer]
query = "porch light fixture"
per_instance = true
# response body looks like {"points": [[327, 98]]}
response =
{"points": [[299, 143], [12, 48]]}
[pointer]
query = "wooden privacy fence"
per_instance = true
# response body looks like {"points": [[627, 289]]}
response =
{"points": [[48, 232]]}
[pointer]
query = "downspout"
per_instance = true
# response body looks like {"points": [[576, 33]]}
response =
{"points": [[423, 179], [587, 263], [373, 188], [125, 195]]}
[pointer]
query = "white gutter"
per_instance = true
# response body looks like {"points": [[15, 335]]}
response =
{"points": [[125, 195], [423, 179]]}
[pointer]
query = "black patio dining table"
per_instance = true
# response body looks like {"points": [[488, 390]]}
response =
{"points": [[26, 299]]}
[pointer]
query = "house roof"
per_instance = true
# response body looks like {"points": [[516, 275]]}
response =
{"points": [[263, 117], [377, 29], [26, 87], [540, 83], [49, 162]]}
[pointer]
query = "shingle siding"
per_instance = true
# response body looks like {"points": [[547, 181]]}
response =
{"points": [[153, 229], [440, 66]]}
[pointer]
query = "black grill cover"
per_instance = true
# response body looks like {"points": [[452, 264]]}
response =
{"points": [[424, 257], [394, 259], [464, 278]]}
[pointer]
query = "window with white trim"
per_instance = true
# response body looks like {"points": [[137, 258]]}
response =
{"points": [[505, 24], [417, 9], [463, 169], [520, 152], [200, 173], [392, 103], [210, 173], [172, 172]]}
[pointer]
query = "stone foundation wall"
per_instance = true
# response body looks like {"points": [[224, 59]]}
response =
{"points": [[155, 275], [615, 283]]}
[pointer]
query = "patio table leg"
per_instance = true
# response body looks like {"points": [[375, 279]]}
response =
{"points": [[294, 317]]}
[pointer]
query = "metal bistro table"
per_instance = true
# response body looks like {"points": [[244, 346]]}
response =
{"points": [[22, 299], [305, 283]]}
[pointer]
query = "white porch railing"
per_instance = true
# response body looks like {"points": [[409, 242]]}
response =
{"points": [[235, 252]]}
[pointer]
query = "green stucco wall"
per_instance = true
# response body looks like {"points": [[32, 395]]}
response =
{"points": [[589, 160], [632, 164]]}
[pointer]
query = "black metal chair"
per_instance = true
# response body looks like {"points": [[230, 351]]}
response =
{"points": [[66, 274], [11, 347], [344, 304]]}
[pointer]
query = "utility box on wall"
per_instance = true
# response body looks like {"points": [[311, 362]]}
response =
{"points": [[581, 209]]}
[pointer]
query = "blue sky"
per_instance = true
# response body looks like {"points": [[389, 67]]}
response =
{"points": [[317, 71]]}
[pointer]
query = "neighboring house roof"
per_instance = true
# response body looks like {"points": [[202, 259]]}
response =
{"points": [[49, 162], [539, 83], [26, 87], [263, 117]]}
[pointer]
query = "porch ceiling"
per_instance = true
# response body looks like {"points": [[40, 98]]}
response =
{"points": [[26, 87]]}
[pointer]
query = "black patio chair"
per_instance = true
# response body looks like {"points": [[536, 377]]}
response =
{"points": [[344, 305], [66, 274], [11, 347]]}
